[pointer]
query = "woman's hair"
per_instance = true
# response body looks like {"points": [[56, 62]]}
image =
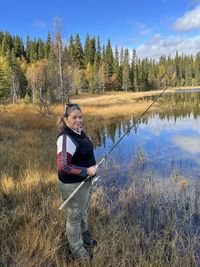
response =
{"points": [[67, 111]]}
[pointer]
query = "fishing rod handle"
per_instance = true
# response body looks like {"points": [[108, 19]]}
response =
{"points": [[80, 185]]}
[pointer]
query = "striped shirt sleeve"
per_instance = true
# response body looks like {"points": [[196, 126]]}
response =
{"points": [[65, 150]]}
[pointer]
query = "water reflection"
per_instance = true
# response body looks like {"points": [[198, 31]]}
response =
{"points": [[181, 103], [160, 145], [188, 90], [187, 144]]}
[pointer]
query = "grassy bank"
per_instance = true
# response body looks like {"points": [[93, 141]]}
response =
{"points": [[114, 105], [150, 224]]}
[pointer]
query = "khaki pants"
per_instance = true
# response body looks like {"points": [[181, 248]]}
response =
{"points": [[76, 214]]}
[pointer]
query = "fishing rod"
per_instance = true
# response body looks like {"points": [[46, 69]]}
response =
{"points": [[97, 177]]}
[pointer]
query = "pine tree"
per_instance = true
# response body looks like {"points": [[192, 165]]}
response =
{"points": [[87, 50], [116, 62], [109, 60], [136, 77], [71, 48], [121, 56], [143, 75], [33, 51], [7, 44], [92, 50], [197, 69], [98, 52], [95, 71], [78, 52], [126, 84], [41, 49], [18, 81], [28, 49], [48, 46], [103, 58], [1, 38], [188, 70], [4, 82], [152, 75], [18, 47], [121, 60], [177, 61], [96, 66], [116, 70]]}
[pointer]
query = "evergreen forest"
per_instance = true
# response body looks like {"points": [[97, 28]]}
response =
{"points": [[51, 70]]}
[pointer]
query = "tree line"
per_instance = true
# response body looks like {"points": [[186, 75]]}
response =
{"points": [[50, 70]]}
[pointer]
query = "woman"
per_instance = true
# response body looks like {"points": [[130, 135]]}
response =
{"points": [[75, 160]]}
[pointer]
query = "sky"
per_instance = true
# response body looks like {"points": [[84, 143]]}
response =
{"points": [[152, 27]]}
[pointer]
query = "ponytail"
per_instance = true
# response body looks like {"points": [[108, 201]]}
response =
{"points": [[61, 124]]}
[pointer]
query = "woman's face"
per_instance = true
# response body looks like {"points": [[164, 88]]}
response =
{"points": [[74, 120]]}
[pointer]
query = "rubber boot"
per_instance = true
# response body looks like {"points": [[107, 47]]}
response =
{"points": [[87, 240]]}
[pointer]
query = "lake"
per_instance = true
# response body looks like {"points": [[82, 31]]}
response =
{"points": [[162, 145]]}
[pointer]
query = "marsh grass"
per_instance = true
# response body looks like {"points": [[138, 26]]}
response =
{"points": [[113, 105], [150, 223]]}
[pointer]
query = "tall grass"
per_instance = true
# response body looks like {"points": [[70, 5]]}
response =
{"points": [[150, 225], [147, 224]]}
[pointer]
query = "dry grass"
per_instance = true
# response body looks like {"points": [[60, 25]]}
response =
{"points": [[141, 226], [148, 225], [114, 104]]}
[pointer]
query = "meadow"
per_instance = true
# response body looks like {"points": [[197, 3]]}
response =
{"points": [[150, 224]]}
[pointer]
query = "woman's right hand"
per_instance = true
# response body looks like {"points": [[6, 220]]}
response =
{"points": [[91, 171]]}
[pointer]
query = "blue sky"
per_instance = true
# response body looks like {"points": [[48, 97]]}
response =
{"points": [[152, 27]]}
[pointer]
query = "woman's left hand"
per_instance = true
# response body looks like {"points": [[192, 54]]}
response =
{"points": [[91, 171]]}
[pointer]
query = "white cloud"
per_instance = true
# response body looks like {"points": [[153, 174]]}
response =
{"points": [[189, 21], [145, 32], [138, 27], [142, 29], [157, 46], [167, 19], [155, 39], [187, 144], [39, 24]]}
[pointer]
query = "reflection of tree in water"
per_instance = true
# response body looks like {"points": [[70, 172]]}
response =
{"points": [[111, 130], [100, 130], [97, 133], [179, 104]]}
